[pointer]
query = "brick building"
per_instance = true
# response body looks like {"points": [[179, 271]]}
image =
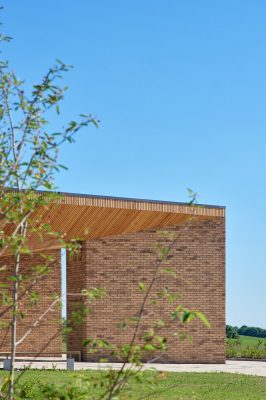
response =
{"points": [[118, 251]]}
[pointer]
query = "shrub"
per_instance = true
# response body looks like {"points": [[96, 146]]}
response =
{"points": [[232, 332]]}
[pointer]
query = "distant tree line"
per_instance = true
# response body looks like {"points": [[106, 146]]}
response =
{"points": [[233, 331]]}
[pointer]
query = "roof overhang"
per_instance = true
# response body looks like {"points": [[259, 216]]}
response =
{"points": [[93, 217]]}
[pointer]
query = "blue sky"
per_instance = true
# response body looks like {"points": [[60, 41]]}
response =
{"points": [[180, 89]]}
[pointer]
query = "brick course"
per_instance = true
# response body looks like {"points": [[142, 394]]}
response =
{"points": [[120, 262]]}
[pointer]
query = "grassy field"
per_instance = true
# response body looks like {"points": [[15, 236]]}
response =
{"points": [[170, 386], [246, 347], [252, 341]]}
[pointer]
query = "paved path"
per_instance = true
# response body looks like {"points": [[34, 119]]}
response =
{"points": [[241, 367]]}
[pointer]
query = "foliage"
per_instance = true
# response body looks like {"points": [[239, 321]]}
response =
{"points": [[246, 347], [252, 331], [231, 332], [64, 335], [29, 150], [245, 331]]}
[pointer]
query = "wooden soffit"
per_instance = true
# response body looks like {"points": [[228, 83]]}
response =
{"points": [[93, 217]]}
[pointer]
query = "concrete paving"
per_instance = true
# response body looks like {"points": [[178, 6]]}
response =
{"points": [[240, 367]]}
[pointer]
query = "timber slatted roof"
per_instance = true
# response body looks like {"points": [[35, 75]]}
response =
{"points": [[91, 217]]}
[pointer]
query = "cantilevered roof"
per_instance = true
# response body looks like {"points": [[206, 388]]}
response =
{"points": [[92, 217]]}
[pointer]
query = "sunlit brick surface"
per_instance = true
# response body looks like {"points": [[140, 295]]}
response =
{"points": [[119, 263]]}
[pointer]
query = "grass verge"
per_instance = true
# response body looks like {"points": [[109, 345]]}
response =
{"points": [[168, 386]]}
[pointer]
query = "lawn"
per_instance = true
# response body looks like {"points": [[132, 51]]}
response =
{"points": [[170, 386]]}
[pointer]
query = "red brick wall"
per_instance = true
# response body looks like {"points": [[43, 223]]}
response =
{"points": [[119, 263], [46, 337]]}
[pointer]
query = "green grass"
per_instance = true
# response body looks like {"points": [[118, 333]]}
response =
{"points": [[171, 386], [250, 340]]}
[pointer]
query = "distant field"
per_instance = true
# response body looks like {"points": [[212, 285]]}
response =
{"points": [[250, 340]]}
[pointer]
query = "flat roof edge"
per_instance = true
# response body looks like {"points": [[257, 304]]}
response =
{"points": [[152, 201], [92, 200]]}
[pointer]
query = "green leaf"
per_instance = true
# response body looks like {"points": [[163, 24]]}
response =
{"points": [[160, 323], [203, 318], [193, 197], [170, 272], [165, 250], [149, 347], [142, 287], [187, 316], [86, 342], [123, 325]]}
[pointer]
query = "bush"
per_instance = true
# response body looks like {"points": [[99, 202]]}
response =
{"points": [[35, 389], [235, 348], [232, 332]]}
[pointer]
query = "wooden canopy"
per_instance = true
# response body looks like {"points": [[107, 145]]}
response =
{"points": [[87, 217], [91, 217]]}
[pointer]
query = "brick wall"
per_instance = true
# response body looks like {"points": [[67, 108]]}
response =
{"points": [[76, 281], [119, 263], [46, 337]]}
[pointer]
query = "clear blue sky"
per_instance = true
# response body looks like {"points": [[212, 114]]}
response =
{"points": [[180, 89]]}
